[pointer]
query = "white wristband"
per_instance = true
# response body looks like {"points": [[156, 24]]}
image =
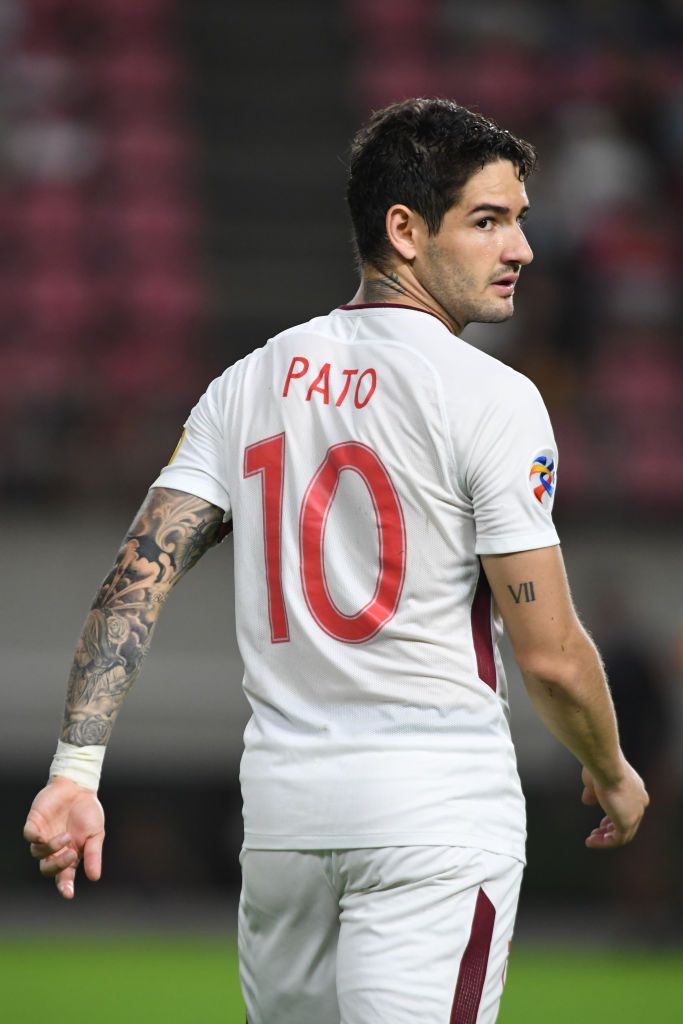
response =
{"points": [[82, 765]]}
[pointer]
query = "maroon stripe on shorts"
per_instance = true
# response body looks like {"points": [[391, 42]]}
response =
{"points": [[474, 962], [481, 632]]}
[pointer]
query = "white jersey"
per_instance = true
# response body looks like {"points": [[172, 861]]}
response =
{"points": [[367, 458]]}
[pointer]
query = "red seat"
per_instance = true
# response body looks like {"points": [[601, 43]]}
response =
{"points": [[148, 156], [636, 374], [52, 209], [163, 301], [144, 365], [137, 81], [45, 366], [373, 18], [57, 298], [129, 23], [389, 79], [155, 222], [651, 467]]}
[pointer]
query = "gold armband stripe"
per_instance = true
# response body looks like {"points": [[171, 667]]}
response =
{"points": [[177, 448]]}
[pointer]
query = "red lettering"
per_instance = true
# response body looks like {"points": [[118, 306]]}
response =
{"points": [[324, 376], [371, 389], [267, 459], [368, 620], [291, 375], [348, 374]]}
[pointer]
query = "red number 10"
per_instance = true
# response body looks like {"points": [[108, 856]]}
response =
{"points": [[267, 458]]}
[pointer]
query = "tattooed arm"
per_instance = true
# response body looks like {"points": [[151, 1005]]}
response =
{"points": [[169, 535], [566, 682]]}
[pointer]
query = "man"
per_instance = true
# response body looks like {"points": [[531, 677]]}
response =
{"points": [[384, 480]]}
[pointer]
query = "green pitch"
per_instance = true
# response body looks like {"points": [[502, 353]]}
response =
{"points": [[101, 980]]}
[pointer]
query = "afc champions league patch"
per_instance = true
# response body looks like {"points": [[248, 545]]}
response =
{"points": [[542, 477]]}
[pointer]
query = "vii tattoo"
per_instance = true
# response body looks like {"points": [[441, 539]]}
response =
{"points": [[524, 592], [168, 536]]}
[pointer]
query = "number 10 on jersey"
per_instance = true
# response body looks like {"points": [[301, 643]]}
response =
{"points": [[267, 459]]}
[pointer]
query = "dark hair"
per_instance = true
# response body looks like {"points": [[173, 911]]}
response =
{"points": [[420, 152]]}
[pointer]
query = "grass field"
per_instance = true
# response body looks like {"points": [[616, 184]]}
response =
{"points": [[144, 981]]}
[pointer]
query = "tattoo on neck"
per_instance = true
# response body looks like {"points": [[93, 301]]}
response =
{"points": [[380, 289]]}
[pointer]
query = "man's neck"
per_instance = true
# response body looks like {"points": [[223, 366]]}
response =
{"points": [[388, 286]]}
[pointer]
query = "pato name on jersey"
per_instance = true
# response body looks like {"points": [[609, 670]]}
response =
{"points": [[329, 382]]}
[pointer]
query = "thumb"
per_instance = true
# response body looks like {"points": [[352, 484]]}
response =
{"points": [[92, 856], [588, 796]]}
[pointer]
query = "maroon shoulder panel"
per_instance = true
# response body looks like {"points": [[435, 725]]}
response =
{"points": [[474, 962], [481, 632]]}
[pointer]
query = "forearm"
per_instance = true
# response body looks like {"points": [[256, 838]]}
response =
{"points": [[101, 675], [168, 536], [572, 698]]}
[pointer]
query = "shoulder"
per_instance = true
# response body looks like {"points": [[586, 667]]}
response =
{"points": [[316, 325], [487, 383]]}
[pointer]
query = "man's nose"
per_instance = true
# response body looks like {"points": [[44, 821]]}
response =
{"points": [[518, 249]]}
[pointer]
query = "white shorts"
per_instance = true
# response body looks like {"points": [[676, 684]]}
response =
{"points": [[399, 935]]}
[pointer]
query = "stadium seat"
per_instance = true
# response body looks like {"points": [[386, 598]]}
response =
{"points": [[632, 376], [148, 157], [375, 18], [164, 301], [649, 470], [58, 298], [145, 365]]}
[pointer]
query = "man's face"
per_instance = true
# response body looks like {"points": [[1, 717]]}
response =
{"points": [[472, 264]]}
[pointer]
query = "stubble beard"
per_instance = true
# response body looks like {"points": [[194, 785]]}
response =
{"points": [[490, 313], [464, 310], [457, 293]]}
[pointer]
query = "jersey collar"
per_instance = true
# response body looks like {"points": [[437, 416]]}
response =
{"points": [[394, 305]]}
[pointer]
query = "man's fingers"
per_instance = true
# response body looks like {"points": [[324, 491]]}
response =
{"points": [[45, 847], [607, 835], [92, 856], [65, 883], [605, 840], [52, 865], [33, 833]]}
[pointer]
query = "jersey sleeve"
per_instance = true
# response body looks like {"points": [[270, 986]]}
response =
{"points": [[198, 465], [512, 472]]}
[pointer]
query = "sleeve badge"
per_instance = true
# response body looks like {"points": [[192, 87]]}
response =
{"points": [[542, 477]]}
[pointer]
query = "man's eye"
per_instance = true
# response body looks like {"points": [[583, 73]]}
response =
{"points": [[484, 222]]}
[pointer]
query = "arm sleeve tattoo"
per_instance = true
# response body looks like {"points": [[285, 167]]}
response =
{"points": [[168, 536]]}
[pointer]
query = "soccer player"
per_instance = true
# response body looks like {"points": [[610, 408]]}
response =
{"points": [[390, 491]]}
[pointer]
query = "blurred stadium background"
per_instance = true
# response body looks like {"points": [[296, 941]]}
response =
{"points": [[171, 194]]}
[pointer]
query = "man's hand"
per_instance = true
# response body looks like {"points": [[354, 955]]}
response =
{"points": [[66, 824], [624, 805]]}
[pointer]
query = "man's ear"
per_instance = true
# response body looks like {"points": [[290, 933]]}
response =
{"points": [[402, 227]]}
